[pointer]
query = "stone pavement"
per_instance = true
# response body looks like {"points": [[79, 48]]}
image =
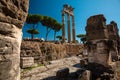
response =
{"points": [[48, 72]]}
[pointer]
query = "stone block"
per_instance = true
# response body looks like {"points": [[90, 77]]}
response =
{"points": [[26, 62], [85, 75], [62, 73], [83, 63]]}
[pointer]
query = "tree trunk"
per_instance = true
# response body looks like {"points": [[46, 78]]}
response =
{"points": [[47, 32], [32, 36], [54, 35]]}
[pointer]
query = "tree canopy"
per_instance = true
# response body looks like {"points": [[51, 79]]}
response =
{"points": [[82, 37], [51, 24], [48, 22], [33, 20]]}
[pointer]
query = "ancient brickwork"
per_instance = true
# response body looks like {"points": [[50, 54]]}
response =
{"points": [[96, 28], [113, 31], [12, 16], [102, 40], [42, 52], [102, 45], [74, 49], [46, 51]]}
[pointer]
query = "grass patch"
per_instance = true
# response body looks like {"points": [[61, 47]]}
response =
{"points": [[39, 65], [32, 67]]}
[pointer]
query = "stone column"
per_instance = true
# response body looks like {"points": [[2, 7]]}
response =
{"points": [[63, 28], [12, 16], [69, 32], [73, 30]]}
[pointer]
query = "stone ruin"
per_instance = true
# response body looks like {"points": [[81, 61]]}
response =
{"points": [[102, 46], [69, 11], [12, 16]]}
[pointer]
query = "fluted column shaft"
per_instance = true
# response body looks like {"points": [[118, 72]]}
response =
{"points": [[63, 28], [69, 32], [73, 29]]}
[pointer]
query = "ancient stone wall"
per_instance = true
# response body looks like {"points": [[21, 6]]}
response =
{"points": [[47, 51], [42, 52], [12, 16], [74, 49]]}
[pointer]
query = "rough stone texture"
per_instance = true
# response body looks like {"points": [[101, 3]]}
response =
{"points": [[26, 62], [46, 51], [62, 73], [85, 75], [105, 43], [96, 28], [13, 11], [12, 15], [10, 40], [48, 72], [74, 49], [103, 47], [42, 51]]}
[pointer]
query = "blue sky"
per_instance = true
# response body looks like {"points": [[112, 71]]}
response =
{"points": [[83, 10]]}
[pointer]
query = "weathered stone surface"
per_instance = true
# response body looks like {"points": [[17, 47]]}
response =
{"points": [[103, 47], [42, 51], [13, 11], [85, 75], [96, 27], [105, 43], [62, 73], [48, 72], [12, 16], [74, 49], [9, 51], [46, 51], [26, 62]]}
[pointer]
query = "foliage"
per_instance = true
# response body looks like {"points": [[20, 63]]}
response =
{"points": [[33, 19], [59, 37], [51, 24], [32, 67], [57, 27], [33, 31], [82, 37], [48, 22]]}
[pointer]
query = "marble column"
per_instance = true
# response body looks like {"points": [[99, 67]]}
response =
{"points": [[63, 28], [69, 32], [73, 30]]}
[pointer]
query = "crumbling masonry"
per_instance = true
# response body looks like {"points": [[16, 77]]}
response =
{"points": [[102, 45], [12, 16]]}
